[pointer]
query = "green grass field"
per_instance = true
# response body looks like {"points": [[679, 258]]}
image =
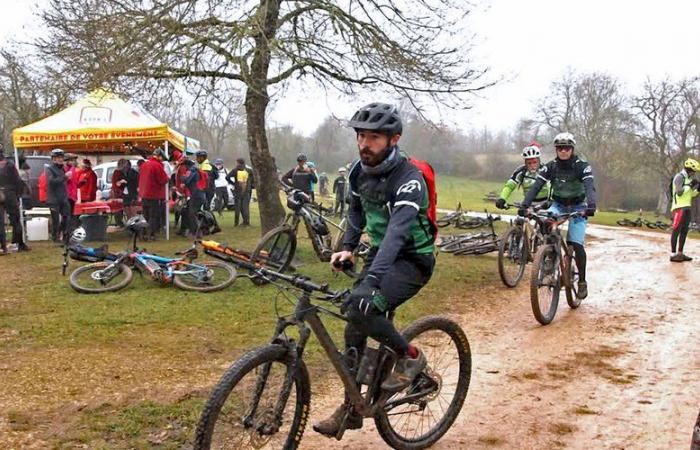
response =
{"points": [[131, 369]]}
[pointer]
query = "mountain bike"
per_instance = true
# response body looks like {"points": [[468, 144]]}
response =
{"points": [[115, 271], [263, 399], [515, 250], [473, 244], [553, 268], [278, 245], [450, 218]]}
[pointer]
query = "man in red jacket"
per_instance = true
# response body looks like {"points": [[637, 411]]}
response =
{"points": [[152, 185], [87, 182]]}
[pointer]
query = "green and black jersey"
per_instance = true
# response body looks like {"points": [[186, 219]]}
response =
{"points": [[571, 182], [392, 208]]}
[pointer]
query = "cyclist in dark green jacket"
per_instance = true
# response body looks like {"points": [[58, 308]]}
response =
{"points": [[390, 203]]}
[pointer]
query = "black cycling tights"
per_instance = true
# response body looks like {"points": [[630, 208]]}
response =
{"points": [[681, 223], [403, 280], [580, 257]]}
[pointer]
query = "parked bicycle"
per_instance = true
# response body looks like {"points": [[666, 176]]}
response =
{"points": [[516, 248], [451, 218], [639, 222], [115, 271], [278, 245], [263, 399], [553, 269], [472, 244]]}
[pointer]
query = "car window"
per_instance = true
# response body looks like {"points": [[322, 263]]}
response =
{"points": [[110, 172], [98, 172]]}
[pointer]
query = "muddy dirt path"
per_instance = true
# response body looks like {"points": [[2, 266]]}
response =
{"points": [[621, 372]]}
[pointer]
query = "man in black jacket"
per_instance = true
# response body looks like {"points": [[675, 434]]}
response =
{"points": [[243, 182], [11, 188], [301, 176], [57, 196], [390, 203]]}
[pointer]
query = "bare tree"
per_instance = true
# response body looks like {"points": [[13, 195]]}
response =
{"points": [[413, 47], [669, 112], [28, 91]]}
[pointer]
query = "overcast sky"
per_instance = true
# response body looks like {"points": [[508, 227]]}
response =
{"points": [[531, 43]]}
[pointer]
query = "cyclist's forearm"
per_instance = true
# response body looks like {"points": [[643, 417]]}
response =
{"points": [[590, 191], [534, 190], [508, 189], [394, 240]]}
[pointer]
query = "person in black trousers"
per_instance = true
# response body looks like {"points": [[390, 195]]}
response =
{"points": [[11, 187], [243, 182]]}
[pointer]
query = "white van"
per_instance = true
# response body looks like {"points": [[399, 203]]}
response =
{"points": [[105, 171]]}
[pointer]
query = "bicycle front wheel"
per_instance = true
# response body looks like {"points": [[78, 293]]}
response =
{"points": [[512, 257], [545, 284], [243, 410], [414, 423], [217, 276], [100, 277], [571, 281]]}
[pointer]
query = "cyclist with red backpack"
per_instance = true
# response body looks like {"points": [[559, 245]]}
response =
{"points": [[393, 201]]}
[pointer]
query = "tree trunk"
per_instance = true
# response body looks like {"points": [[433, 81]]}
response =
{"points": [[256, 101], [271, 210], [663, 204]]}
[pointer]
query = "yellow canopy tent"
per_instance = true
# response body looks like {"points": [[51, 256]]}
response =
{"points": [[101, 123]]}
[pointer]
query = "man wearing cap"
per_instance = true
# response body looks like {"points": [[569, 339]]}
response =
{"points": [[11, 187], [212, 173], [339, 187], [152, 185], [57, 196], [301, 176], [242, 179]]}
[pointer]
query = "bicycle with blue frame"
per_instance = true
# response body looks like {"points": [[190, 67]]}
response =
{"points": [[115, 272]]}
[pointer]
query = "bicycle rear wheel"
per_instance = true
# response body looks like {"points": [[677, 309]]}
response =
{"points": [[241, 411], [100, 277], [218, 276], [545, 285], [512, 256], [571, 281], [422, 421], [276, 249]]}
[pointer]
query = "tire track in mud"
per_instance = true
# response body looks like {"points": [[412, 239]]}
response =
{"points": [[619, 372]]}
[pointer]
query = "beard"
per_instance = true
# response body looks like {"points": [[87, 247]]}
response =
{"points": [[371, 159]]}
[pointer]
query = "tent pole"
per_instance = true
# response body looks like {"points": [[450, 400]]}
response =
{"points": [[21, 205], [167, 198]]}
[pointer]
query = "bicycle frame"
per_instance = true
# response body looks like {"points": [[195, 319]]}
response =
{"points": [[306, 319], [165, 269]]}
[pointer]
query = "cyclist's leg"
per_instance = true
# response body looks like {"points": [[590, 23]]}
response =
{"points": [[575, 237], [683, 229]]}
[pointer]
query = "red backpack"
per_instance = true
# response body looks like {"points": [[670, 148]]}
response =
{"points": [[429, 176], [203, 182]]}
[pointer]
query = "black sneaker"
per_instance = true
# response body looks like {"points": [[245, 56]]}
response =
{"points": [[25, 248], [677, 258], [330, 426], [582, 290], [685, 257], [405, 371]]}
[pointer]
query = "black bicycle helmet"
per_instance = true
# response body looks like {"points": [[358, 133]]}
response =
{"points": [[301, 157], [380, 117], [202, 153]]}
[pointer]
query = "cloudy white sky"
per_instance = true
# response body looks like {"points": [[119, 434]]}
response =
{"points": [[530, 43]]}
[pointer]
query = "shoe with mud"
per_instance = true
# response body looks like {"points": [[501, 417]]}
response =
{"points": [[330, 426], [677, 258], [686, 257], [405, 371], [582, 290]]}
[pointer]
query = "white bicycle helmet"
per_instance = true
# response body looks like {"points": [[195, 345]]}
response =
{"points": [[531, 151], [78, 235], [564, 140], [136, 223]]}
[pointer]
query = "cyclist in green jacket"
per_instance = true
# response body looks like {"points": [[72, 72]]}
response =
{"points": [[683, 189], [390, 203], [524, 177]]}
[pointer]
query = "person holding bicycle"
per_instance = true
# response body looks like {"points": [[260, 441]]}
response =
{"points": [[573, 189], [524, 177], [390, 203], [683, 190]]}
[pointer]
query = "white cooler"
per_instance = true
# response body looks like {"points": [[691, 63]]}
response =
{"points": [[38, 229]]}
